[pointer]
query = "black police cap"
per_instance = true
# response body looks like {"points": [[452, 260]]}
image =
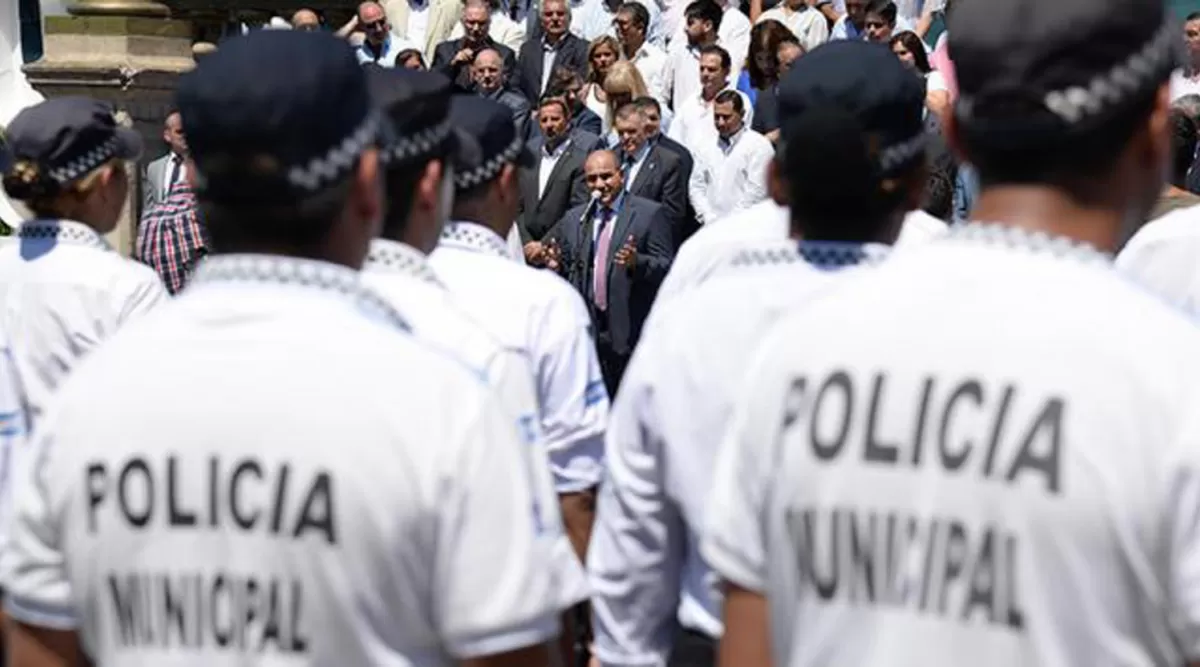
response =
{"points": [[66, 138], [491, 125], [1030, 70], [416, 111], [866, 81], [275, 115]]}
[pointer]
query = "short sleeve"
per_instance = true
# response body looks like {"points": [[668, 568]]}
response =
{"points": [[734, 544], [37, 589], [140, 293], [935, 81], [494, 581], [574, 400]]}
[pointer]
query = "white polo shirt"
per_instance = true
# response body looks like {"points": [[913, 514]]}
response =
{"points": [[1165, 257], [63, 290], [309, 484], [764, 222], [981, 452], [542, 315], [402, 275], [663, 438]]}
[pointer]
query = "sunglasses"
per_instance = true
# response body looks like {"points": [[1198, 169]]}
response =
{"points": [[379, 24]]}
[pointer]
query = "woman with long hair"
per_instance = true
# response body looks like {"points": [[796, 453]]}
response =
{"points": [[603, 52], [911, 51], [761, 74]]}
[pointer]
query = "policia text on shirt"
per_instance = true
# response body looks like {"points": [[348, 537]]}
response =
{"points": [[943, 565], [222, 609]]}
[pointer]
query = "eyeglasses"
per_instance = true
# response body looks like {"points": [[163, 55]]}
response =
{"points": [[378, 24], [308, 27]]}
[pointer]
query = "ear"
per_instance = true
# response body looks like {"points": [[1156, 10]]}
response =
{"points": [[366, 193], [429, 190], [507, 180], [953, 140], [1159, 130]]}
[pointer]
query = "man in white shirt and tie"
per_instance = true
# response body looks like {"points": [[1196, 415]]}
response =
{"points": [[162, 174], [731, 175]]}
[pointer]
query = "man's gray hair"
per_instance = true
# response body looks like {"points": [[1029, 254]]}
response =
{"points": [[566, 6]]}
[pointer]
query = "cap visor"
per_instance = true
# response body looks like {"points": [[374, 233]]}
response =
{"points": [[129, 144]]}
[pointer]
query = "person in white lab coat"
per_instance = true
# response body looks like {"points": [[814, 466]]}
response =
{"points": [[678, 393], [63, 289], [420, 152], [527, 309], [296, 476], [987, 433]]}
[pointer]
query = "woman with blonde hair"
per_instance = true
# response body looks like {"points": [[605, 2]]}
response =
{"points": [[603, 53], [63, 289], [623, 85]]}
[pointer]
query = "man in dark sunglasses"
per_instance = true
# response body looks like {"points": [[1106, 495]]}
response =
{"points": [[379, 45]]}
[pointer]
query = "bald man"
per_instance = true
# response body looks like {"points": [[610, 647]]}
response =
{"points": [[306, 20], [455, 57], [487, 73], [615, 250], [379, 45]]}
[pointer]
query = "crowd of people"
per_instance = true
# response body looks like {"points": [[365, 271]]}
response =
{"points": [[622, 335]]}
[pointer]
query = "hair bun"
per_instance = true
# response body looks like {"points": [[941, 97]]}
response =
{"points": [[25, 181]]}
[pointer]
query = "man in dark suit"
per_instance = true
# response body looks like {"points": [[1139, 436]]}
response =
{"points": [[557, 47], [568, 84], [555, 182], [488, 74], [615, 250], [651, 172], [453, 58], [652, 113]]}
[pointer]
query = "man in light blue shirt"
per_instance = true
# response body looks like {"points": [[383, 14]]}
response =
{"points": [[380, 45]]}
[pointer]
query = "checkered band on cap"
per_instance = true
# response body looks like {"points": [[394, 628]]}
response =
{"points": [[325, 169], [1109, 89], [471, 177], [416, 145], [896, 155], [82, 165]]}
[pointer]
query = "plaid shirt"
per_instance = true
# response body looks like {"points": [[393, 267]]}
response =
{"points": [[170, 238]]}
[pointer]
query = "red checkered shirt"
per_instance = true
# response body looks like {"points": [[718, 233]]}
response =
{"points": [[171, 239]]}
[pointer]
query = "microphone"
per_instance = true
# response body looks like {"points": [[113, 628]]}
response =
{"points": [[590, 209]]}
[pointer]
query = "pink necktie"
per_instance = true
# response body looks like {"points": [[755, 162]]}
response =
{"points": [[600, 275]]}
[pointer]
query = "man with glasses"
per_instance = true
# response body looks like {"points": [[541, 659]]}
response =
{"points": [[379, 45]]}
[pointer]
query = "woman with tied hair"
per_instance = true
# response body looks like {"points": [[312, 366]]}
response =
{"points": [[911, 51], [623, 85], [603, 53], [63, 289]]}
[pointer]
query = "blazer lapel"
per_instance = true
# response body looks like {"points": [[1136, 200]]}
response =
{"points": [[646, 172], [620, 232]]}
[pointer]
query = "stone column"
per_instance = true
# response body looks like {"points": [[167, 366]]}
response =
{"points": [[128, 53]]}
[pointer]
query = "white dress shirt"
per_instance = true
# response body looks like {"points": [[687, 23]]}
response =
{"points": [[682, 80], [592, 18], [180, 176], [1011, 424], [765, 222], [666, 427], [548, 160], [540, 314], [418, 22], [1165, 256], [402, 275], [693, 123], [639, 160], [730, 176], [808, 25], [63, 291], [651, 63], [270, 465]]}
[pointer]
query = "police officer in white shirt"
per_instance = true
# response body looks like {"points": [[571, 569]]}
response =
{"points": [[527, 309], [271, 469], [730, 173], [983, 451], [419, 152], [63, 289], [675, 401]]}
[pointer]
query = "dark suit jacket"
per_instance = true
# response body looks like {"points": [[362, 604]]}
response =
{"points": [[661, 179], [566, 188], [461, 74], [687, 164], [630, 293], [571, 53], [585, 119]]}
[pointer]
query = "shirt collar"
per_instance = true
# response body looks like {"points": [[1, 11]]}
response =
{"points": [[476, 238], [1015, 238], [641, 153], [558, 150], [396, 257], [727, 145], [298, 273], [825, 255], [616, 205], [62, 231], [384, 48]]}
